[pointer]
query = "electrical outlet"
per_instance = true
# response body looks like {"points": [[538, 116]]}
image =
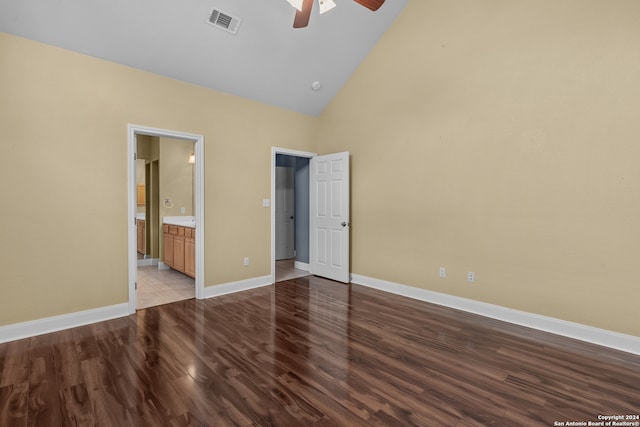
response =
{"points": [[246, 261], [183, 210], [471, 277], [443, 272]]}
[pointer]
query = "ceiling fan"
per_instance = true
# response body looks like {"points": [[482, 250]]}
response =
{"points": [[303, 9]]}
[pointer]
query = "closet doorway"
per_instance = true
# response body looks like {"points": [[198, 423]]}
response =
{"points": [[290, 214]]}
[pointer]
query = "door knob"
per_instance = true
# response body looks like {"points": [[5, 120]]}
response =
{"points": [[344, 223]]}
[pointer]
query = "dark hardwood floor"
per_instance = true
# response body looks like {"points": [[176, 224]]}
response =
{"points": [[310, 352]]}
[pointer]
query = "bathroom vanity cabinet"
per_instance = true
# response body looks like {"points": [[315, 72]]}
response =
{"points": [[180, 248], [140, 223]]}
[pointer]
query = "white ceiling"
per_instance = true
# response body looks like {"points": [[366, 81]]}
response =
{"points": [[267, 60]]}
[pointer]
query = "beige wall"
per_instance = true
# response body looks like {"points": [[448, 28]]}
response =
{"points": [[63, 165], [176, 177], [501, 137], [148, 147]]}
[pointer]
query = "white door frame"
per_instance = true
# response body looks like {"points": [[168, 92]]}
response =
{"points": [[288, 152], [198, 140]]}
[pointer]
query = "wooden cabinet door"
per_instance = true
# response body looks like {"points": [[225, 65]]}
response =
{"points": [[168, 249], [178, 253], [180, 249], [190, 257], [140, 194], [141, 236]]}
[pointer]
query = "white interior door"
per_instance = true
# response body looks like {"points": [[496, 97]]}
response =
{"points": [[329, 225], [285, 224]]}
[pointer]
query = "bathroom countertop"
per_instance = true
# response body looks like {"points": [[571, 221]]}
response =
{"points": [[184, 221]]}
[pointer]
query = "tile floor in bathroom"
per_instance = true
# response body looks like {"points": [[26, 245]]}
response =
{"points": [[157, 287]]}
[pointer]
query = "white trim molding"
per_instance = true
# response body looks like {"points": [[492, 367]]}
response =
{"points": [[65, 321], [239, 286], [302, 266], [148, 262], [615, 340]]}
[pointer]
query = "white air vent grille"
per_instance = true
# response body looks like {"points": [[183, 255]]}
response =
{"points": [[224, 21]]}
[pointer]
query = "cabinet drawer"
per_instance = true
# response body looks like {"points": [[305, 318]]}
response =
{"points": [[180, 231], [173, 229], [188, 232], [165, 228]]}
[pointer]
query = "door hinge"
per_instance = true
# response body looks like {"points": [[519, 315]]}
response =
{"points": [[135, 286], [135, 156]]}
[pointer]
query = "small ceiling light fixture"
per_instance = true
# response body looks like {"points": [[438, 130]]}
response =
{"points": [[326, 6], [192, 159], [316, 86]]}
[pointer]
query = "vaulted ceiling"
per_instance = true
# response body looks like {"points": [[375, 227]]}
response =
{"points": [[266, 60]]}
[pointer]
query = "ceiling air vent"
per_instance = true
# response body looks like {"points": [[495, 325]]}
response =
{"points": [[222, 20]]}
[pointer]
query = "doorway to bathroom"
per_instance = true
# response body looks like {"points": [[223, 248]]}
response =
{"points": [[167, 203], [164, 196]]}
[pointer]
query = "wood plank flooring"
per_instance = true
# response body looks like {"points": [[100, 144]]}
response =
{"points": [[310, 352]]}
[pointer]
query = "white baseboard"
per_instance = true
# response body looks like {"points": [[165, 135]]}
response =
{"points": [[148, 261], [302, 266], [615, 340], [66, 321], [242, 285], [57, 323]]}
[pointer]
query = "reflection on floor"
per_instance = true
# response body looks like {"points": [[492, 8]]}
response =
{"points": [[157, 287], [285, 270]]}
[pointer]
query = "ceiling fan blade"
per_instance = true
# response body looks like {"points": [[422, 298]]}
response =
{"points": [[302, 16], [371, 4]]}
